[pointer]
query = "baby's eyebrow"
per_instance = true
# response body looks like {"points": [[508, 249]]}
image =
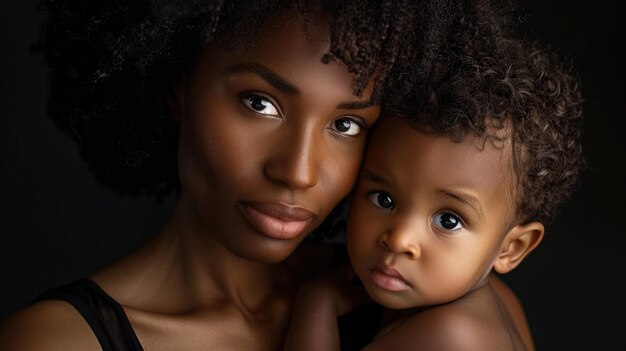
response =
{"points": [[368, 175], [465, 199], [266, 74]]}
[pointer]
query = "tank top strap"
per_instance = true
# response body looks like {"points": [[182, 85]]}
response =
{"points": [[104, 315]]}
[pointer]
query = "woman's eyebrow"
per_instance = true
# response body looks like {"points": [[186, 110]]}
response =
{"points": [[280, 83], [266, 74], [355, 105]]}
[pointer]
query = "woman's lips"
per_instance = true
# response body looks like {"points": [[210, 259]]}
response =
{"points": [[277, 220], [388, 278]]}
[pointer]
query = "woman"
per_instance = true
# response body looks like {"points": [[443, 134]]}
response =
{"points": [[270, 120], [256, 114]]}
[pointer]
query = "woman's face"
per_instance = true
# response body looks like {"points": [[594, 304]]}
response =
{"points": [[271, 140]]}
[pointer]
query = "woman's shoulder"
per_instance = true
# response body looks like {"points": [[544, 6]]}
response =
{"points": [[47, 325]]}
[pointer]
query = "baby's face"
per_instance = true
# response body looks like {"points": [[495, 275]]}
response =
{"points": [[428, 215]]}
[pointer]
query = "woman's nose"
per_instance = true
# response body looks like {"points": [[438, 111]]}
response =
{"points": [[401, 241], [295, 161]]}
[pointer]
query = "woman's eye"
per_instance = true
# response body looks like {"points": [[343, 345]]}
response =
{"points": [[381, 199], [347, 126], [448, 221], [260, 104]]}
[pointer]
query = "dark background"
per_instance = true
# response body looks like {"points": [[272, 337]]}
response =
{"points": [[57, 223]]}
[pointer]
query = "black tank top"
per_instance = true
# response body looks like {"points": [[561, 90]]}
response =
{"points": [[114, 332], [104, 315]]}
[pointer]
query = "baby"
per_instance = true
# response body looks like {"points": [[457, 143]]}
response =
{"points": [[450, 197]]}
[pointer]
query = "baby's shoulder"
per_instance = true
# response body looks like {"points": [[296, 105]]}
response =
{"points": [[47, 325], [454, 326]]}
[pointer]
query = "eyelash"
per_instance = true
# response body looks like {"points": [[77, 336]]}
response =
{"points": [[246, 97], [459, 219], [374, 197], [359, 122], [377, 194]]}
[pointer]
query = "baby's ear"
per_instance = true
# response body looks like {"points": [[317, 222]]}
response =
{"points": [[518, 243], [176, 98]]}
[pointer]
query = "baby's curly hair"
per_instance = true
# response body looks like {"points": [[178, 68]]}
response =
{"points": [[441, 29], [112, 62], [524, 88]]}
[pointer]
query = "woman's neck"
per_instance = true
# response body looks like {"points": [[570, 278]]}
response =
{"points": [[185, 270]]}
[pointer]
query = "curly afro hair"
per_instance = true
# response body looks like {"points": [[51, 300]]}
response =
{"points": [[520, 87], [443, 30], [111, 64]]}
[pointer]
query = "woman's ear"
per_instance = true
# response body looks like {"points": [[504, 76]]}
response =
{"points": [[518, 243], [176, 98]]}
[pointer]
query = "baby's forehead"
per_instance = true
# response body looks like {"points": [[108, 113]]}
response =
{"points": [[409, 137], [407, 158], [396, 144], [495, 133]]}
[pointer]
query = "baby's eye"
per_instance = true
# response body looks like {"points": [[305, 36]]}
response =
{"points": [[348, 126], [381, 199], [260, 104], [447, 221]]}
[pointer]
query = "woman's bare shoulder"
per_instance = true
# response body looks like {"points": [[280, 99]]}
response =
{"points": [[47, 325]]}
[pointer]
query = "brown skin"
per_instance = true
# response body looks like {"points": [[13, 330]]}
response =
{"points": [[430, 220], [210, 278]]}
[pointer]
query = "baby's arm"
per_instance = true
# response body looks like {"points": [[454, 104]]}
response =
{"points": [[315, 311]]}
